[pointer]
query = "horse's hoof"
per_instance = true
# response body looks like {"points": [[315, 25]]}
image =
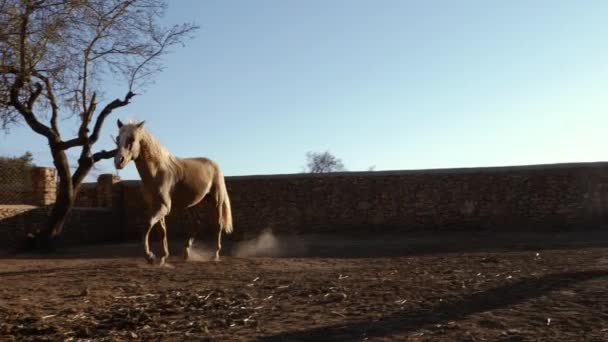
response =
{"points": [[186, 255], [164, 264], [150, 258]]}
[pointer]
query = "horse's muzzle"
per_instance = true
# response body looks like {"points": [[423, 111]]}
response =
{"points": [[119, 162]]}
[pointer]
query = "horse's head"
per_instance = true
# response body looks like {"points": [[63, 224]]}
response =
{"points": [[128, 143]]}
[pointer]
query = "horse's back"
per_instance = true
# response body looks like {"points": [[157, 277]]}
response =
{"points": [[198, 164]]}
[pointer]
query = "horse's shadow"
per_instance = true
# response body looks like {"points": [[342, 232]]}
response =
{"points": [[451, 310]]}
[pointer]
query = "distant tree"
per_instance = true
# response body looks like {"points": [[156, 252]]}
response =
{"points": [[26, 159], [16, 169], [323, 162], [57, 56]]}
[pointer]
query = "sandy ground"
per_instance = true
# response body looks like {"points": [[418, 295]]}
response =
{"points": [[313, 288]]}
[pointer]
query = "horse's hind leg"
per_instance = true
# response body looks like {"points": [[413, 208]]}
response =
{"points": [[193, 224], [219, 242], [163, 230], [187, 247], [215, 218]]}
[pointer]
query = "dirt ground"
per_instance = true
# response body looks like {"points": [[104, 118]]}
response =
{"points": [[460, 288]]}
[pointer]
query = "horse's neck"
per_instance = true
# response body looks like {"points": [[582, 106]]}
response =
{"points": [[148, 166], [147, 170]]}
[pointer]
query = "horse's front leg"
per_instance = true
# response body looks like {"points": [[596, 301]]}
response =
{"points": [[163, 226], [157, 216]]}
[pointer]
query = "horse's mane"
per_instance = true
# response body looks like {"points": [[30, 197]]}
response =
{"points": [[154, 151]]}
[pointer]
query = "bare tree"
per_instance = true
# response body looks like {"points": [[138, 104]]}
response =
{"points": [[56, 55], [323, 162]]}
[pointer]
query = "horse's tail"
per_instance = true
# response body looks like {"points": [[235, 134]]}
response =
{"points": [[223, 203]]}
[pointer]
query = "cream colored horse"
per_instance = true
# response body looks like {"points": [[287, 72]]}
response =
{"points": [[172, 183]]}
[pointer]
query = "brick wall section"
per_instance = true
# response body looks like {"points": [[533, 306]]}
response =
{"points": [[87, 196], [105, 193], [44, 186], [506, 198], [108, 192]]}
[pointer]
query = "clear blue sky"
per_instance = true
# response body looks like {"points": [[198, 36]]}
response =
{"points": [[395, 84]]}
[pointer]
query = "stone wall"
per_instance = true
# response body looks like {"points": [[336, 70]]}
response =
{"points": [[105, 193], [488, 198], [97, 215], [84, 225], [563, 196], [44, 185], [109, 192], [18, 220], [39, 187], [87, 196]]}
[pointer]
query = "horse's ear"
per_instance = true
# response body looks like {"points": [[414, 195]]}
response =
{"points": [[141, 124], [119, 123]]}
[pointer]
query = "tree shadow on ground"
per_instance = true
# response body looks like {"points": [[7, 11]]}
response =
{"points": [[451, 310]]}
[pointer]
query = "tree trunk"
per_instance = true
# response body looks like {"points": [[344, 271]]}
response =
{"points": [[61, 208], [59, 213], [46, 237], [69, 185]]}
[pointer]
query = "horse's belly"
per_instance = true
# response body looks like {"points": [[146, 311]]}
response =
{"points": [[187, 198]]}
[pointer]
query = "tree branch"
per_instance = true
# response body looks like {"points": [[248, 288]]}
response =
{"points": [[23, 40], [111, 17], [86, 162], [27, 113], [50, 94], [103, 154], [34, 96], [65, 145], [171, 37], [82, 140], [8, 69], [86, 117], [20, 80], [106, 111]]}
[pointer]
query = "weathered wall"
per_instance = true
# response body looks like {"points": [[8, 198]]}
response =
{"points": [[565, 196], [509, 198], [96, 217], [44, 186], [105, 193], [16, 221], [84, 225], [39, 187], [87, 196]]}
